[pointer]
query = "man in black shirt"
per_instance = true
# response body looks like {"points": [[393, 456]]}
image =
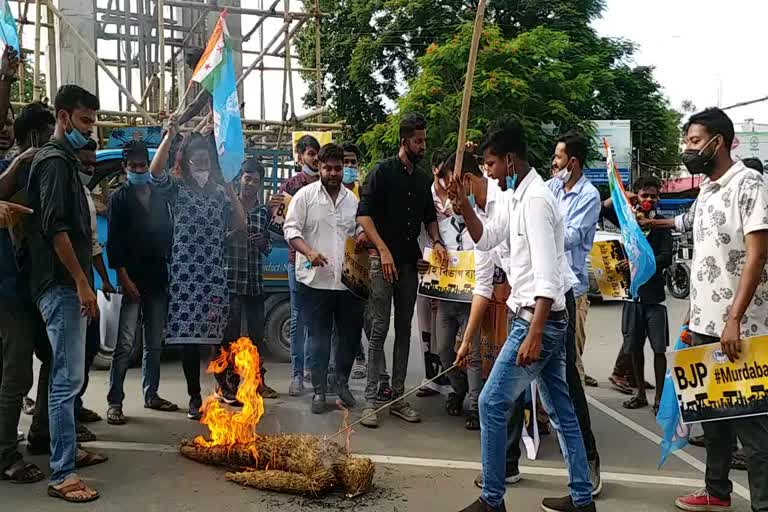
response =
{"points": [[60, 256], [646, 316], [138, 242], [396, 200]]}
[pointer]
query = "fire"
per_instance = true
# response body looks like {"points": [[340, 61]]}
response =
{"points": [[225, 427], [345, 424]]}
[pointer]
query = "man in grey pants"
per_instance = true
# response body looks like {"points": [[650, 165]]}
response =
{"points": [[395, 201]]}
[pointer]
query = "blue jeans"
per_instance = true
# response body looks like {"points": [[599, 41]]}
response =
{"points": [[505, 384], [154, 305], [66, 327], [300, 357]]}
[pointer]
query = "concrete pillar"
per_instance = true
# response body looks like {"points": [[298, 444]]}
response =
{"points": [[73, 66]]}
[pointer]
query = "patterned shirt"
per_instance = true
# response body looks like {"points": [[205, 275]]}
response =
{"points": [[242, 258], [724, 213]]}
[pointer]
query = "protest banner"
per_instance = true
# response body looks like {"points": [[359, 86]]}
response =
{"points": [[709, 387], [454, 283], [493, 331], [354, 270], [278, 215], [322, 137], [605, 256]]}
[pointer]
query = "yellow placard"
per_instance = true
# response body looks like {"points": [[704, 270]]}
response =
{"points": [[354, 270], [605, 255], [322, 137], [709, 387], [454, 283]]}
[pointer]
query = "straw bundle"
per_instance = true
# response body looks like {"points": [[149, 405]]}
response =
{"points": [[282, 481], [355, 475]]}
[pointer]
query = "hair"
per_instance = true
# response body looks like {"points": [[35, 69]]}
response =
{"points": [[646, 182], [331, 152], [192, 142], [351, 148], [193, 57], [253, 166], [135, 150], [71, 97], [576, 145], [306, 142], [468, 165], [505, 137], [32, 117], [754, 163], [439, 157], [410, 123], [716, 122]]}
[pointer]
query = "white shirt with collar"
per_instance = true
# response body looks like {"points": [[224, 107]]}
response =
{"points": [[530, 221], [325, 227], [725, 212], [487, 261]]}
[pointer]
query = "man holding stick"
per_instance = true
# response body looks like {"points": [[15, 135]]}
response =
{"points": [[535, 348]]}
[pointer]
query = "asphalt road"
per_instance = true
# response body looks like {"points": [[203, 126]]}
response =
{"points": [[422, 467]]}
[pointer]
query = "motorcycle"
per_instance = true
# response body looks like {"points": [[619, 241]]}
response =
{"points": [[678, 275]]}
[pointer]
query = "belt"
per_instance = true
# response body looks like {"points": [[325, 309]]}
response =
{"points": [[526, 314]]}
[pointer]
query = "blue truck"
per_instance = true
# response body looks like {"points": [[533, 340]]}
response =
{"points": [[277, 306]]}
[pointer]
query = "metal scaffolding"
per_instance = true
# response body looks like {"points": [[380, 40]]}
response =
{"points": [[141, 47]]}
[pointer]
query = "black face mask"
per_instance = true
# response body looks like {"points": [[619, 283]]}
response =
{"points": [[698, 162]]}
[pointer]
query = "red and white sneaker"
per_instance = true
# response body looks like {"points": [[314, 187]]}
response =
{"points": [[701, 501]]}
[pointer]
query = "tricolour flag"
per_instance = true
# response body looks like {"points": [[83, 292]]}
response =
{"points": [[668, 418], [8, 32], [216, 72], [642, 262]]}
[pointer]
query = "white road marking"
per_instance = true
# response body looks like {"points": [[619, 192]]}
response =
{"points": [[654, 438], [435, 463]]}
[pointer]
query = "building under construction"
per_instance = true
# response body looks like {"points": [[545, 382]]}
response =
{"points": [[134, 53]]}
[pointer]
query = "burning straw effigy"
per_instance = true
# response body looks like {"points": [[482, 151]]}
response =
{"points": [[292, 463]]}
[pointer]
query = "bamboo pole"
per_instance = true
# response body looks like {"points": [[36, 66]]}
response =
{"points": [[36, 74], [319, 74], [161, 53], [287, 51], [84, 44], [468, 80], [233, 9]]}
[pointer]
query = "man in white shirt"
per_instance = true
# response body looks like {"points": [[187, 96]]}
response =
{"points": [[320, 218], [535, 348], [729, 292]]}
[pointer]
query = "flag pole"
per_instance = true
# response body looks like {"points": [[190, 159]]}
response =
{"points": [[468, 80]]}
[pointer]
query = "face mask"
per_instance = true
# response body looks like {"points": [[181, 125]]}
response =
{"points": [[309, 171], [511, 181], [350, 175], [471, 199], [139, 178], [75, 138], [85, 178], [200, 177], [564, 174], [442, 183], [697, 162]]}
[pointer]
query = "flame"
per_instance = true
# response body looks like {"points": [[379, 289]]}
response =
{"points": [[345, 424], [225, 427]]}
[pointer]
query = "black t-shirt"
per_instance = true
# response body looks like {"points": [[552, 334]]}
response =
{"points": [[398, 201]]}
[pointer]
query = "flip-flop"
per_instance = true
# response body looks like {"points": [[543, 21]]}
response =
{"points": [[21, 472], [63, 492], [85, 459], [636, 402], [115, 416]]}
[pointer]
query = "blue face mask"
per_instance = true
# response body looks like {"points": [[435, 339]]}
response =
{"points": [[75, 138], [350, 175], [139, 178], [511, 182], [471, 199], [309, 171]]}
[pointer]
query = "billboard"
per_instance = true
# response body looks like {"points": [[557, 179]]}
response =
{"points": [[619, 135], [751, 145]]}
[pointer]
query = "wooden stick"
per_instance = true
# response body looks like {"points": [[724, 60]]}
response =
{"points": [[468, 80]]}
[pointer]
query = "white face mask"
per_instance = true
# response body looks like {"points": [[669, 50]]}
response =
{"points": [[200, 177], [564, 175], [442, 183], [85, 178]]}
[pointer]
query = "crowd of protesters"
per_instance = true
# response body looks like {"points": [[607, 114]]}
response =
{"points": [[188, 250]]}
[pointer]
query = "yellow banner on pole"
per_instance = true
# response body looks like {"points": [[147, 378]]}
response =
{"points": [[709, 387], [354, 270], [605, 256], [454, 283]]}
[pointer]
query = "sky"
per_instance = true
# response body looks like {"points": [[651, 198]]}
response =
{"points": [[706, 51]]}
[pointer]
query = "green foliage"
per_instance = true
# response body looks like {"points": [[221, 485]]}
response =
{"points": [[28, 90]]}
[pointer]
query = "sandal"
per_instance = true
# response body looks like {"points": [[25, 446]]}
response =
{"points": [[84, 435], [454, 404], [87, 416], [115, 416], [21, 472], [160, 404], [73, 492], [85, 458], [473, 421], [621, 385], [636, 402]]}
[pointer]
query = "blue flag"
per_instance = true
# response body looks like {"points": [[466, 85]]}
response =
{"points": [[675, 433], [8, 32], [642, 262]]}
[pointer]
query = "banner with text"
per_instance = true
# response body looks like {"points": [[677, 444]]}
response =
{"points": [[454, 283], [709, 387], [605, 256], [278, 215], [354, 270]]}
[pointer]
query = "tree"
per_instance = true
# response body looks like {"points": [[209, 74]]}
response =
{"points": [[28, 89], [369, 46]]}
